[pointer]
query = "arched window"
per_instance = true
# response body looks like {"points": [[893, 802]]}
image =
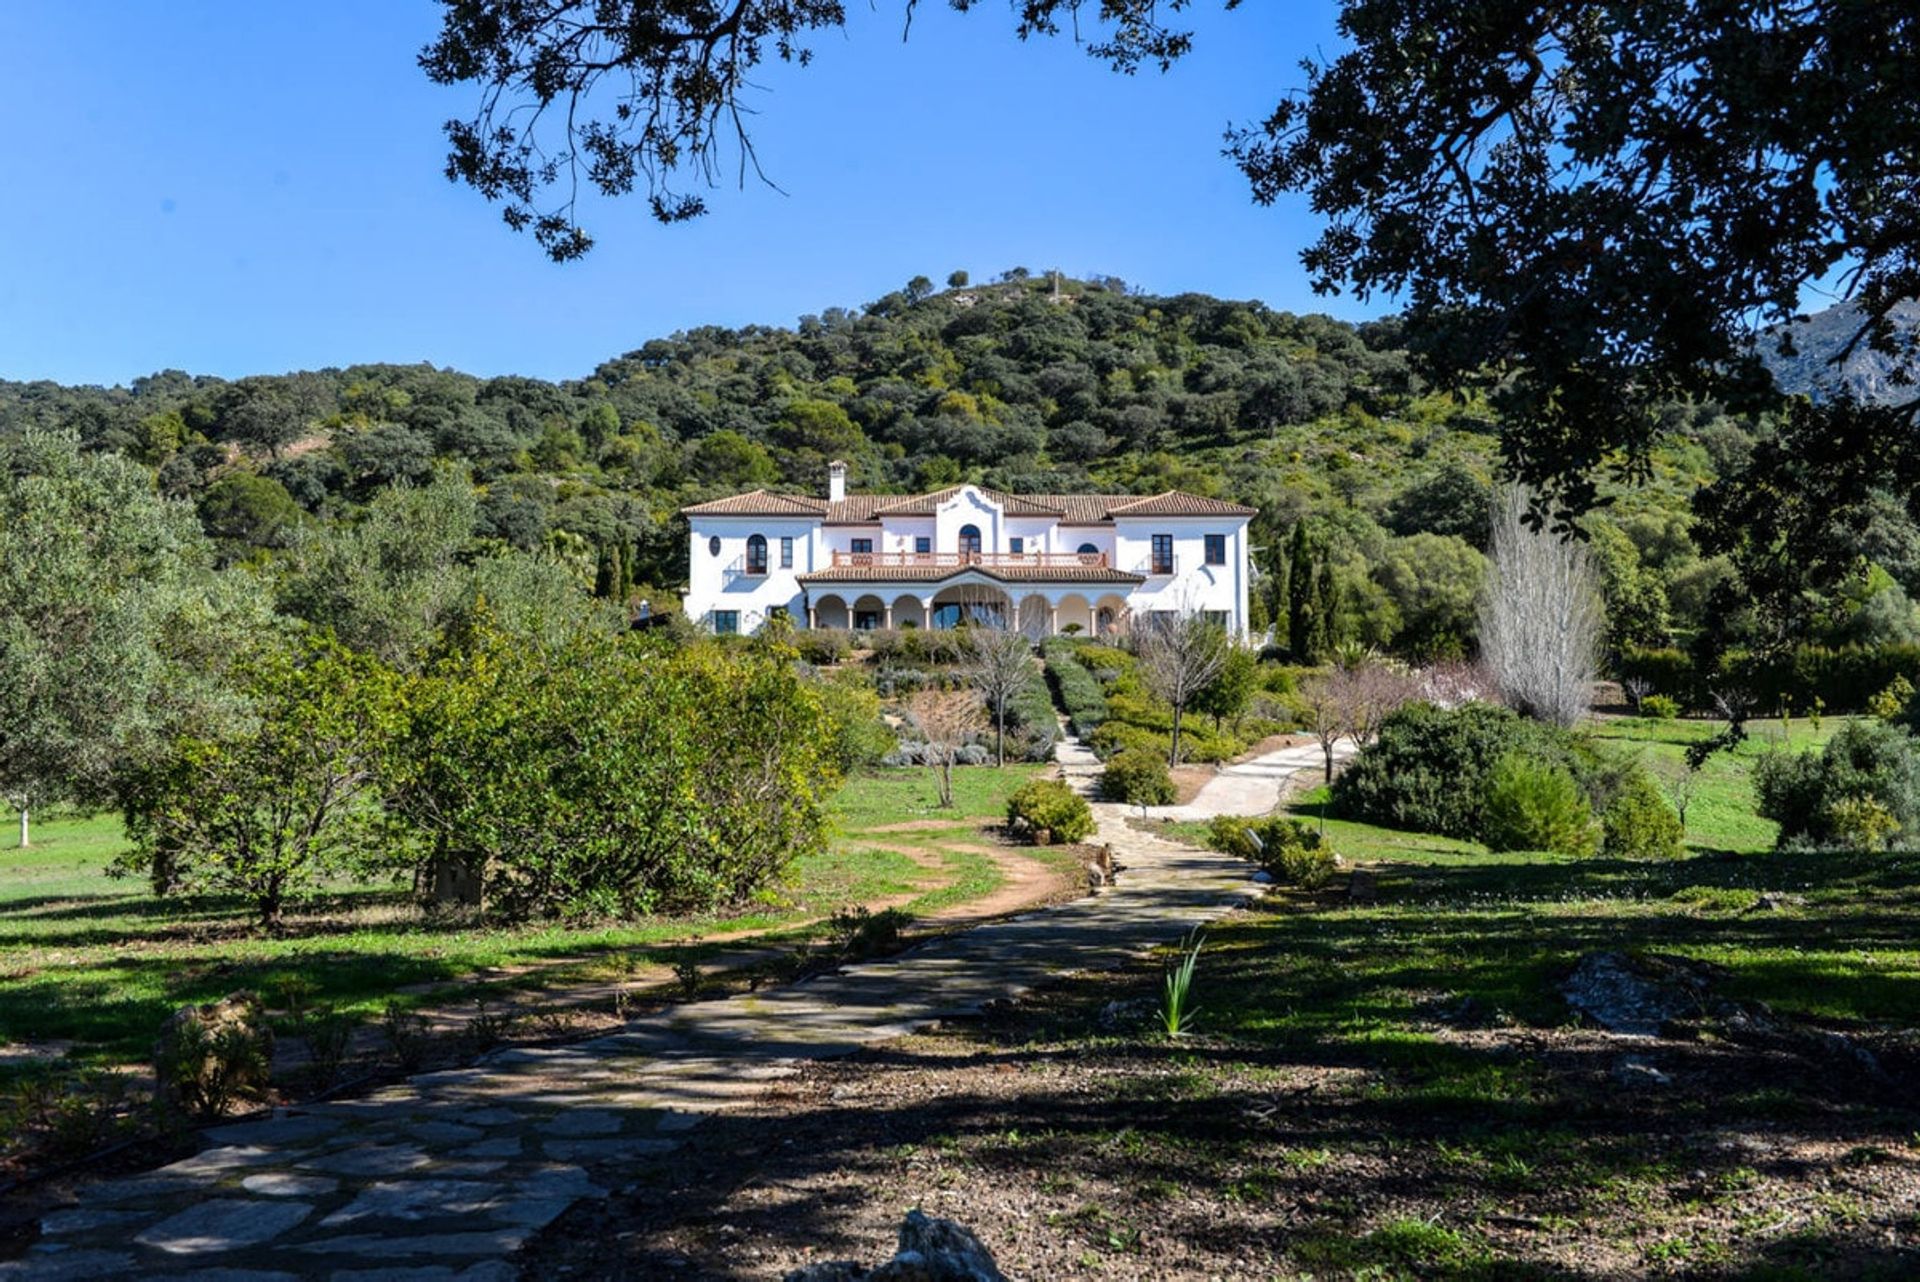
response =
{"points": [[969, 540], [757, 554], [1088, 549]]}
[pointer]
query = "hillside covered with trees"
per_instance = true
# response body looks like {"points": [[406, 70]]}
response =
{"points": [[1027, 383]]}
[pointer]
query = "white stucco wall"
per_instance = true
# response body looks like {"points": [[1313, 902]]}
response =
{"points": [[1193, 585], [720, 582]]}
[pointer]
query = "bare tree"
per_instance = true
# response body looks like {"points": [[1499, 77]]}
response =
{"points": [[1540, 616], [1179, 653], [947, 719], [998, 663], [1353, 697], [1680, 780], [1329, 708]]}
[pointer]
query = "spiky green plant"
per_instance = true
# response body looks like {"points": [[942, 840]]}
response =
{"points": [[1177, 1013]]}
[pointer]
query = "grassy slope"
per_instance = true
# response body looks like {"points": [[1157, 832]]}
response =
{"points": [[101, 962]]}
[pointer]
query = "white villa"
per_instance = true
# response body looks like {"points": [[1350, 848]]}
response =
{"points": [[1050, 561]]}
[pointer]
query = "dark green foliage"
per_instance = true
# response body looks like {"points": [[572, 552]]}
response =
{"points": [[1457, 151], [1138, 777], [1530, 804], [1228, 696], [1051, 807], [1292, 853], [245, 513], [1302, 633], [1845, 678], [1640, 823], [1427, 769], [1810, 794], [1453, 500], [1077, 688]]}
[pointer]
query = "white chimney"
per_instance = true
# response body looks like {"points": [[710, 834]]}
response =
{"points": [[836, 481]]}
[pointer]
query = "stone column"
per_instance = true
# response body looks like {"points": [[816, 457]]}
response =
{"points": [[886, 615]]}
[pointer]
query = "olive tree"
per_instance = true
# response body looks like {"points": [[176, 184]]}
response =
{"points": [[263, 809], [103, 586]]}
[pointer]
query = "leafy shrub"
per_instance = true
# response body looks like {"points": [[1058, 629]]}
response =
{"points": [[1290, 852], [1862, 823], [859, 933], [1427, 768], [1536, 805], [1080, 694], [1816, 797], [1640, 824], [1892, 701], [1659, 707], [857, 735], [1049, 806], [1138, 777], [1031, 726], [821, 645], [1115, 737]]}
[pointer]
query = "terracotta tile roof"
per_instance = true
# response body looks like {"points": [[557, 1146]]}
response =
{"points": [[1069, 509], [1176, 503], [758, 503], [925, 504], [940, 573]]}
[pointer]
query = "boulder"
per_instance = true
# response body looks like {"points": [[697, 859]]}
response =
{"points": [[1626, 996], [930, 1250], [208, 1056]]}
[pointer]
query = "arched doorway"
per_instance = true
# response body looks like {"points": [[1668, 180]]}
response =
{"points": [[970, 541]]}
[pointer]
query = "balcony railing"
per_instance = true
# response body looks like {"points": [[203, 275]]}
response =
{"points": [[955, 560]]}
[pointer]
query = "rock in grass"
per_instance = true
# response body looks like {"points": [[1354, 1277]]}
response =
{"points": [[930, 1250], [1622, 997]]}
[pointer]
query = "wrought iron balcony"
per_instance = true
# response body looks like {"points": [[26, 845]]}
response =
{"points": [[956, 560]]}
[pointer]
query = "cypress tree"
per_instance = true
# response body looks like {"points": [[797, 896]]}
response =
{"points": [[1300, 596], [606, 575], [1326, 613]]}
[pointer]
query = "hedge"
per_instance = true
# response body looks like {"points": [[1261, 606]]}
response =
{"points": [[1079, 692], [1844, 679]]}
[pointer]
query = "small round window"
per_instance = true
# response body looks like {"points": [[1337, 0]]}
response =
{"points": [[713, 545]]}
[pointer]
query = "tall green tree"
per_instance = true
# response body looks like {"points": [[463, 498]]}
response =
{"points": [[1300, 604], [100, 580]]}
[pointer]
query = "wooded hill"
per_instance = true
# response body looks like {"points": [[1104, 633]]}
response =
{"points": [[1026, 383]]}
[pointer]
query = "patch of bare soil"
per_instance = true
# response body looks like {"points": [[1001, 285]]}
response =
{"points": [[1076, 1145], [1027, 882], [923, 825], [1189, 780]]}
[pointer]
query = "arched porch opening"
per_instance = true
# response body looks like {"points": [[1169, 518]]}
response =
{"points": [[969, 603], [830, 611], [1076, 609], [869, 612], [1110, 616], [908, 612]]}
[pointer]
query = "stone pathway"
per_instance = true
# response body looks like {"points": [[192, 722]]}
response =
{"points": [[1255, 787], [442, 1177]]}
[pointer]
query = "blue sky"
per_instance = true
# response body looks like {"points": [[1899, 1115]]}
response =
{"points": [[234, 188]]}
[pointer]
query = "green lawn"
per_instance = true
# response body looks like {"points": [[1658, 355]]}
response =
{"points": [[1393, 1086], [100, 962]]}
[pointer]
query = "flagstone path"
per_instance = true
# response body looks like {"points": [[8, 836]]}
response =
{"points": [[442, 1177]]}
